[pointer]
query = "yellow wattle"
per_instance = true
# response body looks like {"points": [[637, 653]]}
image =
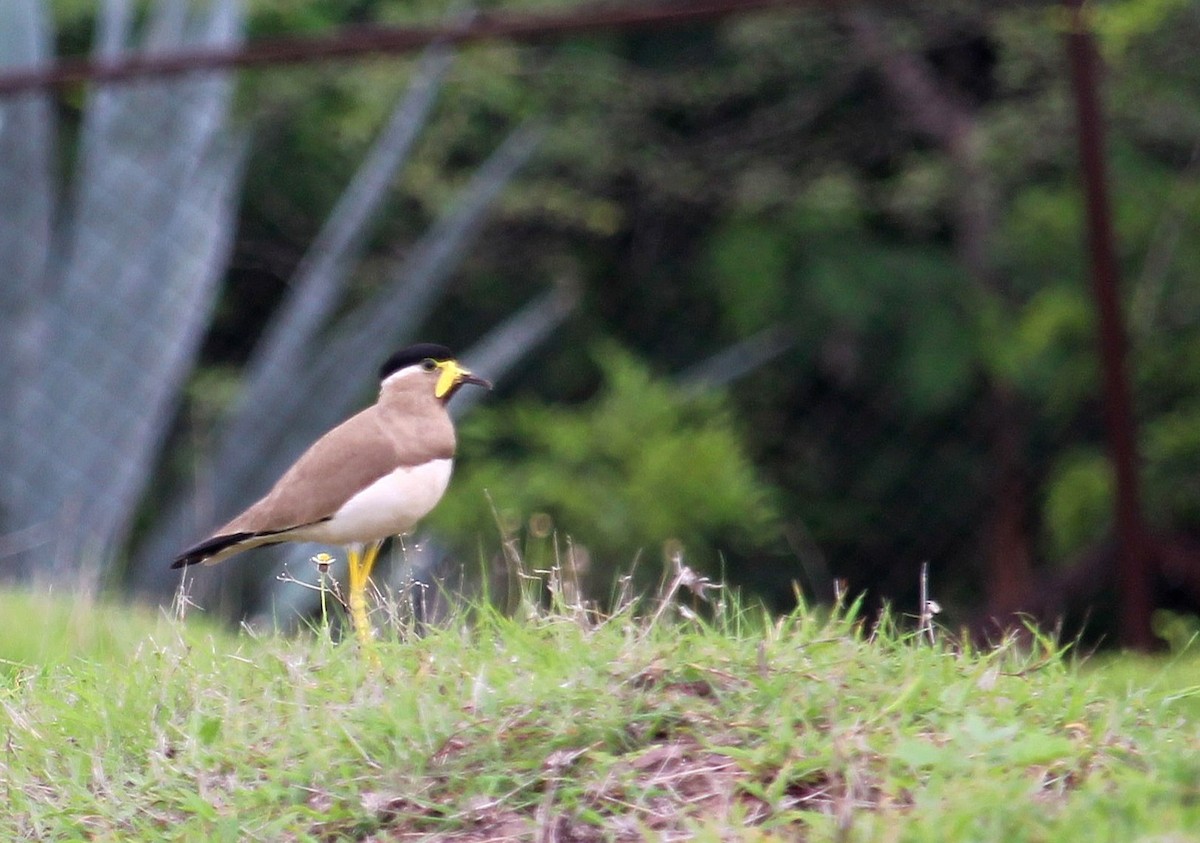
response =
{"points": [[450, 375]]}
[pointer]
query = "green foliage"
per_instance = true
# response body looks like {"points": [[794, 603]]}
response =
{"points": [[749, 263], [1042, 235], [1120, 24], [704, 183], [1078, 501], [1172, 455], [1047, 347], [937, 363], [1181, 632], [639, 465]]}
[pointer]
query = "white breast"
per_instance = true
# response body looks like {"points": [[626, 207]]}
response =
{"points": [[389, 506]]}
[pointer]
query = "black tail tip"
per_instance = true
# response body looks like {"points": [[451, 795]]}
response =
{"points": [[209, 547]]}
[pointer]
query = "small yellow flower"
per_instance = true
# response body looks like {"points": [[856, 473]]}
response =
{"points": [[322, 561]]}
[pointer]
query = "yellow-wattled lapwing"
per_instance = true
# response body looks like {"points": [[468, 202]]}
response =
{"points": [[371, 477]]}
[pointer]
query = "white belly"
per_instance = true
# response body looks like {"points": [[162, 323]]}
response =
{"points": [[389, 506]]}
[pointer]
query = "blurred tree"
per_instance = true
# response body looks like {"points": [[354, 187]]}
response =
{"points": [[641, 468], [909, 211], [122, 283], [894, 190]]}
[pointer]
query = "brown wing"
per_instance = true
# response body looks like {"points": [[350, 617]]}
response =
{"points": [[345, 460]]}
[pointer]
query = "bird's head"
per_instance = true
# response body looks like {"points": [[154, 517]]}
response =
{"points": [[433, 363]]}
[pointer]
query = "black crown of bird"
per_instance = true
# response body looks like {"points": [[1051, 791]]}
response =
{"points": [[372, 477]]}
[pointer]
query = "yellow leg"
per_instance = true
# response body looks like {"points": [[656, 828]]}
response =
{"points": [[361, 560]]}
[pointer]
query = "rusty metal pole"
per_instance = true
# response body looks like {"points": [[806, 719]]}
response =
{"points": [[1135, 560], [359, 41]]}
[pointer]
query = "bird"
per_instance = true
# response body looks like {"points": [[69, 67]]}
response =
{"points": [[373, 476]]}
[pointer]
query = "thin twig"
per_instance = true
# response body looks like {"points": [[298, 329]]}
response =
{"points": [[929, 607]]}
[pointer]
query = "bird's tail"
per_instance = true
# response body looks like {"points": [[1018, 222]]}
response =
{"points": [[219, 548]]}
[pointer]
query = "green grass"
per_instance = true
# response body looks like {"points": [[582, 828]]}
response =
{"points": [[121, 725], [41, 629]]}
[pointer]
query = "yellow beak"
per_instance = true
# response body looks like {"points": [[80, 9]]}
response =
{"points": [[453, 376]]}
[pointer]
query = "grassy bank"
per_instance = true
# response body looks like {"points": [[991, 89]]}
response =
{"points": [[555, 725]]}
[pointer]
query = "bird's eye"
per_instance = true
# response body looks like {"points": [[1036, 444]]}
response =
{"points": [[428, 364]]}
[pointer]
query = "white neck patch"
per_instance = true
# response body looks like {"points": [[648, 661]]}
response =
{"points": [[406, 372]]}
